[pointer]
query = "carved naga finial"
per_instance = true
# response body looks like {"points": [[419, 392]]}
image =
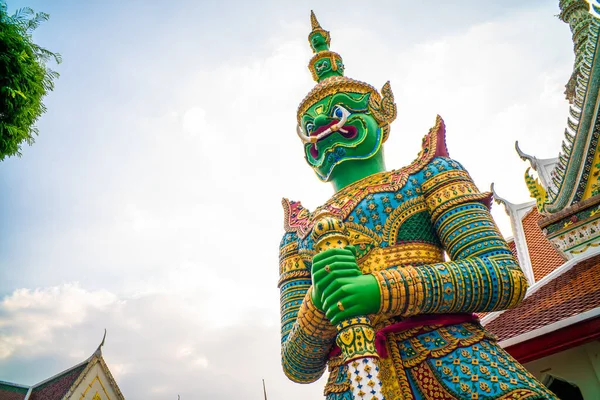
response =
{"points": [[497, 198], [536, 190], [98, 351], [526, 157]]}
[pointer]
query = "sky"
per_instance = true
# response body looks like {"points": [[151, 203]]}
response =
{"points": [[150, 203]]}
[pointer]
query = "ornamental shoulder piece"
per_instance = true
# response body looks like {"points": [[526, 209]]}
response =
{"points": [[296, 218]]}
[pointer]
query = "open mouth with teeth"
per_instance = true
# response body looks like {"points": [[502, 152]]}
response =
{"points": [[347, 131]]}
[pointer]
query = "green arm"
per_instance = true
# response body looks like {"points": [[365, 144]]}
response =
{"points": [[306, 334], [482, 275]]}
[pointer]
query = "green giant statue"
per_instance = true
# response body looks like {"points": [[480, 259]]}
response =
{"points": [[366, 290]]}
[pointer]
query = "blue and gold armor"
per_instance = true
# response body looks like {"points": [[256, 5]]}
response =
{"points": [[404, 224]]}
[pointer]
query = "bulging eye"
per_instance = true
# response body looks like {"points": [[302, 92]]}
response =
{"points": [[339, 111], [309, 128]]}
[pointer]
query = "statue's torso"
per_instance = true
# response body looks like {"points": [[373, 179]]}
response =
{"points": [[387, 219], [389, 223]]}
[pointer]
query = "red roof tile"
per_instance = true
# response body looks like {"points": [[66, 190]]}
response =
{"points": [[544, 257], [9, 391], [513, 247], [57, 387], [574, 292]]}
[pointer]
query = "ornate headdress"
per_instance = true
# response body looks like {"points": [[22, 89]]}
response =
{"points": [[327, 69]]}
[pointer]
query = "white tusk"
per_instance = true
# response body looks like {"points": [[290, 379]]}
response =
{"points": [[323, 134], [333, 128], [305, 138]]}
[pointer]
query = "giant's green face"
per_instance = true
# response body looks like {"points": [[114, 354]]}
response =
{"points": [[359, 137]]}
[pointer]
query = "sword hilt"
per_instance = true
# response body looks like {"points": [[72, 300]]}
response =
{"points": [[356, 336]]}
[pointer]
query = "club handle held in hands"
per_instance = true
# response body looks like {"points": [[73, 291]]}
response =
{"points": [[356, 336]]}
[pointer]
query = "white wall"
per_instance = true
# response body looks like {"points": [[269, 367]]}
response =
{"points": [[580, 365]]}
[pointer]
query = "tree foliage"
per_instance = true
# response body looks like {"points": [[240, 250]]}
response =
{"points": [[24, 78]]}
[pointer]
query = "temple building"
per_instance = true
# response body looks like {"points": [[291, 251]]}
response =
{"points": [[554, 332], [88, 380]]}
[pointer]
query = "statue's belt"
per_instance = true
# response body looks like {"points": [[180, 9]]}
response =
{"points": [[410, 323]]}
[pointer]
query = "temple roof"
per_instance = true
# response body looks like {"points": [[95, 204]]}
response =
{"points": [[53, 388], [537, 257], [544, 258], [57, 386], [12, 391], [571, 175], [61, 385], [543, 166], [572, 291]]}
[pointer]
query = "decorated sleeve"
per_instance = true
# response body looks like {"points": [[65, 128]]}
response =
{"points": [[306, 334], [482, 274]]}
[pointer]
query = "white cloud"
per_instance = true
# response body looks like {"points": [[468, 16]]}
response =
{"points": [[171, 344], [194, 121], [30, 317]]}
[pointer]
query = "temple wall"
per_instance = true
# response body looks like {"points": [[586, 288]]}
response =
{"points": [[579, 365]]}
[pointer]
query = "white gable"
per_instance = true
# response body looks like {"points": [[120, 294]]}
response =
{"points": [[95, 384]]}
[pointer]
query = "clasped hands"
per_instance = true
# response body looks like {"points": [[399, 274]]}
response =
{"points": [[339, 287]]}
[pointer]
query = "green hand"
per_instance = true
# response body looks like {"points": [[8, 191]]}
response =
{"points": [[359, 295], [343, 282], [330, 265]]}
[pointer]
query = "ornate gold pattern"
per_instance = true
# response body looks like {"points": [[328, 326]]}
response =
{"points": [[292, 275], [360, 234], [381, 258], [384, 109], [401, 214], [356, 338], [331, 55], [97, 395], [336, 383], [428, 383], [446, 196], [311, 330], [443, 178], [312, 320], [331, 86]]}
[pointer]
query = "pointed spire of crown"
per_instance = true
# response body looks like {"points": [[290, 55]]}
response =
{"points": [[318, 43], [313, 21], [324, 63]]}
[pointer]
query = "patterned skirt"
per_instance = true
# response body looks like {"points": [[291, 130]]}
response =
{"points": [[460, 361]]}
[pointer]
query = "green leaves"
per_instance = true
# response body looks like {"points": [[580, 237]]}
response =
{"points": [[13, 93], [25, 78]]}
